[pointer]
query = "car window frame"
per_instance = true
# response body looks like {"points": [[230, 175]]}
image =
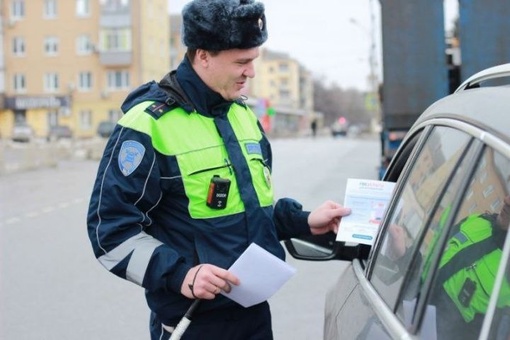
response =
{"points": [[481, 140], [416, 141], [487, 140], [401, 183], [479, 144]]}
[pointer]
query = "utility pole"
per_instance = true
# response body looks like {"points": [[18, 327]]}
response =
{"points": [[372, 102]]}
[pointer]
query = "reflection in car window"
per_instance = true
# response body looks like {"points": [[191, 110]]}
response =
{"points": [[436, 161], [500, 326], [419, 271], [468, 266]]}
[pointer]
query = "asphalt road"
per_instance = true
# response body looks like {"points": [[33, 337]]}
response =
{"points": [[52, 287]]}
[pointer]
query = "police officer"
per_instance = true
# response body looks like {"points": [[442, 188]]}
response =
{"points": [[184, 185]]}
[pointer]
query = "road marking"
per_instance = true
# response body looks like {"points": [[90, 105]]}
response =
{"points": [[12, 220], [45, 210], [48, 209], [32, 214]]}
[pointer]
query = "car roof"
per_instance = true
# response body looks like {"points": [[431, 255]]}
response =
{"points": [[487, 108]]}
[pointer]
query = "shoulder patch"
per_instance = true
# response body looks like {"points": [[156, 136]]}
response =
{"points": [[130, 156], [253, 148], [460, 237], [158, 109]]}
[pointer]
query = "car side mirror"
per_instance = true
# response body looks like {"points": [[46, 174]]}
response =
{"points": [[324, 248]]}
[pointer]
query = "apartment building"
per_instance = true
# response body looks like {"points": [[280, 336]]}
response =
{"points": [[287, 87], [72, 62], [177, 48]]}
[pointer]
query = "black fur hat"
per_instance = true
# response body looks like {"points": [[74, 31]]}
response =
{"points": [[217, 25]]}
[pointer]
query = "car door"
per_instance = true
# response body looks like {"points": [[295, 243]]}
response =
{"points": [[431, 160], [454, 183], [455, 272]]}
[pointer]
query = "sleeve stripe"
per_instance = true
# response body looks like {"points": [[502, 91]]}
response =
{"points": [[140, 259], [142, 246]]}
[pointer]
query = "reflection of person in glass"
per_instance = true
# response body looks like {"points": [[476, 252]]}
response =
{"points": [[467, 272]]}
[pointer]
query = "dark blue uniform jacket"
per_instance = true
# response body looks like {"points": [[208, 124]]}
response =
{"points": [[139, 224]]}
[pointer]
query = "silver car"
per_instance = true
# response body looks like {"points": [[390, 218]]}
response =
{"points": [[438, 268], [22, 132]]}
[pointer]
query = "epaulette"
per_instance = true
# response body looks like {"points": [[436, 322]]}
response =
{"points": [[158, 109]]}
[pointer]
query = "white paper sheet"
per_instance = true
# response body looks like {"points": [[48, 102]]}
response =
{"points": [[368, 200], [261, 273]]}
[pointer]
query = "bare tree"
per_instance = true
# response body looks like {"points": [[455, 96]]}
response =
{"points": [[335, 102]]}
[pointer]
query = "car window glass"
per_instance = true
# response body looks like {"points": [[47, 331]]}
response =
{"points": [[435, 162], [468, 266], [419, 269], [500, 326]]}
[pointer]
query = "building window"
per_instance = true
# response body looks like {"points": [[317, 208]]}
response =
{"points": [[116, 39], [118, 80], [51, 83], [85, 81], [19, 83], [469, 194], [18, 46], [114, 5], [50, 9], [82, 8], [18, 9], [85, 119], [84, 45], [496, 204], [472, 208], [114, 115], [284, 94], [483, 177], [488, 190], [51, 46], [52, 117], [283, 67]]}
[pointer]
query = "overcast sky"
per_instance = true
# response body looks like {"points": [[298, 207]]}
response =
{"points": [[321, 35]]}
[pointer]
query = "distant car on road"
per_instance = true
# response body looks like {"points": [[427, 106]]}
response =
{"points": [[59, 132], [22, 132], [105, 128], [340, 127]]}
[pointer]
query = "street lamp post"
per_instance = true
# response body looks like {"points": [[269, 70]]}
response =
{"points": [[373, 80]]}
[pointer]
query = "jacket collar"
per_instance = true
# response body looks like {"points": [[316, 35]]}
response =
{"points": [[204, 99]]}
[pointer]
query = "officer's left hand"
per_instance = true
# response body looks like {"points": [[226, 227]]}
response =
{"points": [[205, 281], [326, 217]]}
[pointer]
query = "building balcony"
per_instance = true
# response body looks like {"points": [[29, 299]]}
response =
{"points": [[115, 18], [115, 58]]}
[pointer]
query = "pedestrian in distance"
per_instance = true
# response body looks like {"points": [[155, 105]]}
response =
{"points": [[184, 185], [313, 127]]}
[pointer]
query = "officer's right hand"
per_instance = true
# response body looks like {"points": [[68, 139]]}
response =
{"points": [[205, 281]]}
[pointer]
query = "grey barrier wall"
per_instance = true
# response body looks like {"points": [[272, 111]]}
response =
{"points": [[17, 157]]}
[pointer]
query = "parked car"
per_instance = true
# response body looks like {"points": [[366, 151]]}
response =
{"points": [[22, 132], [105, 128], [427, 275], [59, 132]]}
